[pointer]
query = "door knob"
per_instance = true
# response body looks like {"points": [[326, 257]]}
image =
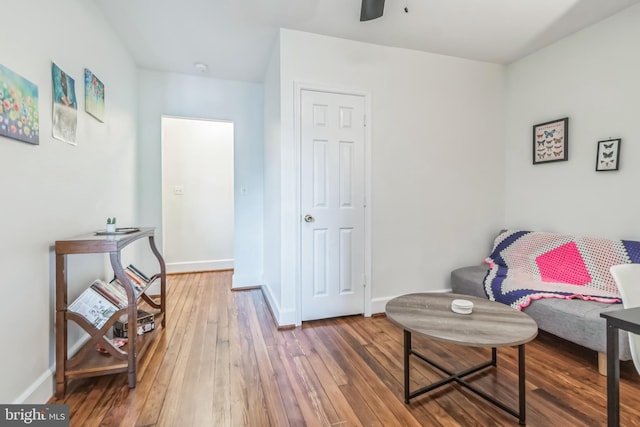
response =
{"points": [[308, 218]]}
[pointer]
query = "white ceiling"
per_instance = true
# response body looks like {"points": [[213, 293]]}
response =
{"points": [[235, 37]]}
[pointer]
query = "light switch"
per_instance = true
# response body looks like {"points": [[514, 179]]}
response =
{"points": [[178, 190]]}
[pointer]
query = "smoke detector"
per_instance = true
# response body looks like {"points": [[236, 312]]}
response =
{"points": [[199, 66]]}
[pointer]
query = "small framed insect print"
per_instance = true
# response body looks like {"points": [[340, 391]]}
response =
{"points": [[551, 141], [608, 155]]}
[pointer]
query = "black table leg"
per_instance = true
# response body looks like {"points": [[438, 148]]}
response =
{"points": [[521, 385], [407, 353], [458, 377], [613, 377]]}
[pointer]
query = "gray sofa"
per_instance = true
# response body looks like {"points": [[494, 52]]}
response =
{"points": [[574, 320]]}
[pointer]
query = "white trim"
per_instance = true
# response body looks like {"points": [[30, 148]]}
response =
{"points": [[281, 317], [195, 266], [162, 179], [244, 281], [39, 392], [379, 304], [287, 318], [368, 181], [43, 388], [298, 87]]}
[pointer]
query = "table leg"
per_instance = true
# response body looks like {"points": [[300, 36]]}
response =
{"points": [[458, 377], [521, 385], [613, 377], [407, 353]]}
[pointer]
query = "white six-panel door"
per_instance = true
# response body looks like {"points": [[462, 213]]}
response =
{"points": [[332, 204]]}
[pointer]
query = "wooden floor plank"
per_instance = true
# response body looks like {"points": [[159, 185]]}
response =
{"points": [[146, 407], [217, 376], [381, 401], [255, 406], [314, 343], [170, 411], [222, 362], [274, 382], [199, 373]]}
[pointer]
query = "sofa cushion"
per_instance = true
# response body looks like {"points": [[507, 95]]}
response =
{"points": [[577, 321]]}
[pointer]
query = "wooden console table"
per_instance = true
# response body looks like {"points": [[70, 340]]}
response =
{"points": [[87, 362]]}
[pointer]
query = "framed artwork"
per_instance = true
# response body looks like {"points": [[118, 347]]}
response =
{"points": [[93, 95], [551, 141], [65, 106], [19, 116], [608, 155]]}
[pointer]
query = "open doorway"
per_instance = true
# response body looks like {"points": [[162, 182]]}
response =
{"points": [[197, 194]]}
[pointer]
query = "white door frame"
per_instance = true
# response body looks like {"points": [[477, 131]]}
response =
{"points": [[297, 234], [196, 266]]}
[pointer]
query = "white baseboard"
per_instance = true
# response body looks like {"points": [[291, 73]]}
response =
{"points": [[378, 304], [287, 318], [39, 392], [244, 281], [283, 318], [195, 266], [43, 388]]}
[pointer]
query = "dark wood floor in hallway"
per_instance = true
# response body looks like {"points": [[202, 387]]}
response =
{"points": [[222, 362]]}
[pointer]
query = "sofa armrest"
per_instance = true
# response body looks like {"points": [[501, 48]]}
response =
{"points": [[469, 280]]}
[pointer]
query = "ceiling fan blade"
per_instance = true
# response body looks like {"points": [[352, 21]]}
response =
{"points": [[371, 9]]}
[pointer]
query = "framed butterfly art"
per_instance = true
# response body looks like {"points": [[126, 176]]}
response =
{"points": [[608, 155], [551, 141]]}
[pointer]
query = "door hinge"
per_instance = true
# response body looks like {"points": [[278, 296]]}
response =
{"points": [[364, 120], [364, 280]]}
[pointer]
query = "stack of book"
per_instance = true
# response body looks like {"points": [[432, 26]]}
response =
{"points": [[101, 300], [113, 291], [145, 323], [94, 306], [137, 278]]}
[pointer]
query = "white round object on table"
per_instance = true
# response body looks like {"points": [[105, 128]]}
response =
{"points": [[462, 306]]}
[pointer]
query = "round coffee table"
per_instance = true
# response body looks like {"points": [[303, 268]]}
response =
{"points": [[491, 324]]}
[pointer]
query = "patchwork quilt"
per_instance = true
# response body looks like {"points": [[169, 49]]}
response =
{"points": [[529, 265]]}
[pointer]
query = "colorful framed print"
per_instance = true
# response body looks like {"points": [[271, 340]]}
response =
{"points": [[608, 155], [93, 95], [551, 141], [19, 116], [65, 106]]}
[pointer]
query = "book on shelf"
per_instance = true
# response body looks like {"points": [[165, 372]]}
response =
{"points": [[138, 280], [94, 306], [138, 272], [115, 294], [145, 323], [116, 342]]}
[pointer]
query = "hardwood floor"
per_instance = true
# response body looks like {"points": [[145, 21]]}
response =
{"points": [[221, 362]]}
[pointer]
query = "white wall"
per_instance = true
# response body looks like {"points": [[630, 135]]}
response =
{"points": [[272, 181], [437, 149], [438, 158], [198, 97], [591, 77], [56, 190], [197, 192]]}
